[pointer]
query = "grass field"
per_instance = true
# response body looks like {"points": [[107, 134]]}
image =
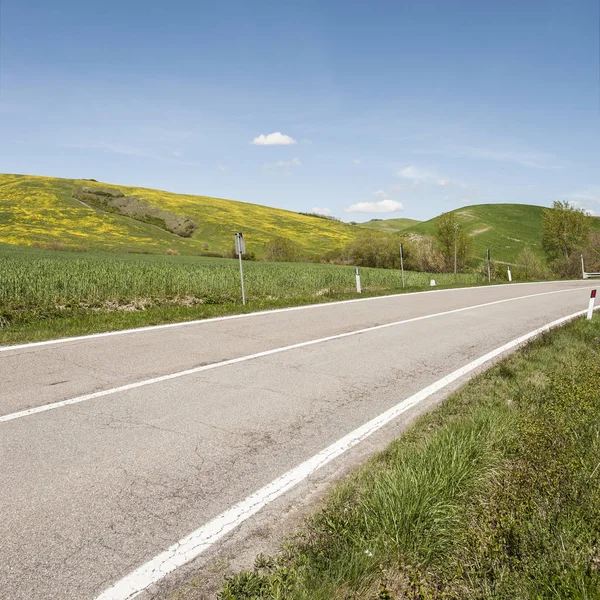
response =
{"points": [[494, 495], [389, 225], [42, 211], [50, 294]]}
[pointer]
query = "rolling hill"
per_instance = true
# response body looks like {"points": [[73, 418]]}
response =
{"points": [[389, 225], [42, 211], [503, 228]]}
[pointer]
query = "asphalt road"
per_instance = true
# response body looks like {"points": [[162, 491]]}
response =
{"points": [[91, 490]]}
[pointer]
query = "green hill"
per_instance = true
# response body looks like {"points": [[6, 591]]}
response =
{"points": [[389, 225], [503, 228], [41, 211]]}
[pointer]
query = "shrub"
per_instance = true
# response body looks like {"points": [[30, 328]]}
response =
{"points": [[282, 249]]}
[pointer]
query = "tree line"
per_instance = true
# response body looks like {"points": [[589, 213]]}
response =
{"points": [[567, 234]]}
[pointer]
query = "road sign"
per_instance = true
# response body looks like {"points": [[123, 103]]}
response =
{"points": [[240, 246]]}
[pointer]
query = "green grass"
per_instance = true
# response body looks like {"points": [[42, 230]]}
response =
{"points": [[389, 225], [503, 228], [52, 294], [493, 495]]}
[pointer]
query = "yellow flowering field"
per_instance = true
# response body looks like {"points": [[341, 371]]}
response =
{"points": [[41, 211]]}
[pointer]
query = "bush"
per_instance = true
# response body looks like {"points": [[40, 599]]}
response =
{"points": [[282, 249], [371, 249], [422, 254]]}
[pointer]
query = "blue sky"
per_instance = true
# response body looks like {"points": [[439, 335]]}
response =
{"points": [[379, 109]]}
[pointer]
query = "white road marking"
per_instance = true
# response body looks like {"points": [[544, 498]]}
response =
{"points": [[253, 314], [200, 540], [232, 361]]}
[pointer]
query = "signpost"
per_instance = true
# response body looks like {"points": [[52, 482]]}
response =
{"points": [[489, 267], [402, 263], [240, 248], [358, 288]]}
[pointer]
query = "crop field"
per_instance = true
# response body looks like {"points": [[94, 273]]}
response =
{"points": [[34, 281]]}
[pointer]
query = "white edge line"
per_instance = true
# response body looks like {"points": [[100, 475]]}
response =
{"points": [[232, 361], [260, 313], [200, 540]]}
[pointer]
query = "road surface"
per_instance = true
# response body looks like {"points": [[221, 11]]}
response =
{"points": [[164, 429]]}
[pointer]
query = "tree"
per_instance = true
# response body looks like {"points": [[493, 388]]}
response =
{"points": [[452, 239], [564, 230], [373, 249], [530, 263], [282, 249]]}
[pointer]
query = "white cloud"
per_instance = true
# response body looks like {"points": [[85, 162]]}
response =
{"points": [[221, 167], [586, 198], [177, 153], [380, 194], [589, 195], [273, 139], [420, 175], [383, 206], [356, 161], [284, 164], [326, 212]]}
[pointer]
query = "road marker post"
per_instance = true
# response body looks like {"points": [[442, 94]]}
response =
{"points": [[240, 248], [489, 266], [358, 288], [590, 311], [402, 263], [509, 274]]}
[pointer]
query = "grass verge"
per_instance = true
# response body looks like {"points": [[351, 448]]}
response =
{"points": [[493, 495]]}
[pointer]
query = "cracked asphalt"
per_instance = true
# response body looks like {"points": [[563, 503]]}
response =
{"points": [[93, 490]]}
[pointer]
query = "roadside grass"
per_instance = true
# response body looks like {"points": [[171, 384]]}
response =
{"points": [[495, 494], [54, 294]]}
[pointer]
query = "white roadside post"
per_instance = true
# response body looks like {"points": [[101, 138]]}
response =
{"points": [[402, 263], [240, 248], [590, 311], [583, 268], [509, 274], [489, 267], [358, 288]]}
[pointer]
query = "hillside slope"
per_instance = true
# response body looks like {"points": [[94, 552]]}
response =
{"points": [[389, 225], [42, 211], [503, 228]]}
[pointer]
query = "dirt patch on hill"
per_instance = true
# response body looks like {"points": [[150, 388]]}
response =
{"points": [[478, 231], [115, 201]]}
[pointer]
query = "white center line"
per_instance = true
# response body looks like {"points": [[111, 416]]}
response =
{"points": [[200, 540], [138, 384]]}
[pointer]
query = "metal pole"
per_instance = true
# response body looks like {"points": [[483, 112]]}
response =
{"points": [[242, 279], [489, 268], [455, 244], [402, 263]]}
